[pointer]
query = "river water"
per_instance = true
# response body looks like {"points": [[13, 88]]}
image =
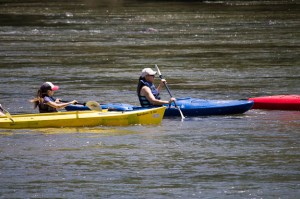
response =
{"points": [[95, 50]]}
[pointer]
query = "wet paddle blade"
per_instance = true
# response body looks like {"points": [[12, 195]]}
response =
{"points": [[93, 105], [8, 115]]}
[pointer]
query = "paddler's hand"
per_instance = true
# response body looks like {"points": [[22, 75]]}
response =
{"points": [[73, 102], [162, 83], [172, 99]]}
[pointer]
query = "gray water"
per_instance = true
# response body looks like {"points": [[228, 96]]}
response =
{"points": [[95, 50]]}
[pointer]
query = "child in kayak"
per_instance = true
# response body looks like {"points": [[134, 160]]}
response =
{"points": [[45, 100], [147, 93]]}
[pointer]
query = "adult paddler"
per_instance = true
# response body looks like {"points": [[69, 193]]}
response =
{"points": [[147, 93]]}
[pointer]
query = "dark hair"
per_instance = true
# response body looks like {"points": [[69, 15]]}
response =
{"points": [[45, 87], [41, 93], [140, 85]]}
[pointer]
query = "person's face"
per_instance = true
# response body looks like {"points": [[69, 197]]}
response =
{"points": [[50, 92], [150, 78]]}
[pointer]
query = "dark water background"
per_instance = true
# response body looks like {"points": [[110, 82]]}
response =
{"points": [[95, 50]]}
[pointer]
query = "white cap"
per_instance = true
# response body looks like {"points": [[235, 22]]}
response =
{"points": [[148, 71]]}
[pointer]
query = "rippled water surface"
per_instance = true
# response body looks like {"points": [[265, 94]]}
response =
{"points": [[95, 50]]}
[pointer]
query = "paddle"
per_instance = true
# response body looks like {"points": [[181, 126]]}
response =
{"points": [[161, 77], [6, 113], [93, 105]]}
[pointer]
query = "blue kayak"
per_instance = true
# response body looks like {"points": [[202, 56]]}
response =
{"points": [[189, 107], [201, 107]]}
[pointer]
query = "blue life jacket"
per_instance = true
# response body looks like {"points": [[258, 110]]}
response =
{"points": [[143, 100]]}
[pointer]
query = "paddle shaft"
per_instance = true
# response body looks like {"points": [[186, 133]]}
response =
{"points": [[166, 85], [93, 105], [75, 103], [161, 77], [8, 115]]}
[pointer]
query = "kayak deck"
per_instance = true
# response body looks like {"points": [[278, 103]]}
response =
{"points": [[189, 107], [202, 107]]}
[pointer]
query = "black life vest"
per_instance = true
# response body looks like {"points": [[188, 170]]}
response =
{"points": [[143, 100], [45, 108]]}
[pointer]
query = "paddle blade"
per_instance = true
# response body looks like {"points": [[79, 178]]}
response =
{"points": [[8, 115], [95, 106], [158, 71]]}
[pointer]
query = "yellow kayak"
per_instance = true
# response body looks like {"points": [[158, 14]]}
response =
{"points": [[83, 118]]}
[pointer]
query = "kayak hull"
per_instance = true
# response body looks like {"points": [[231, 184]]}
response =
{"points": [[201, 107], [277, 102], [189, 107], [84, 119]]}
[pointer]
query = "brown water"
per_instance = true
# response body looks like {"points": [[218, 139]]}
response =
{"points": [[95, 50]]}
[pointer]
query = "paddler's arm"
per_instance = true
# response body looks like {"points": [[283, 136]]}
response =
{"points": [[59, 105], [145, 91]]}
